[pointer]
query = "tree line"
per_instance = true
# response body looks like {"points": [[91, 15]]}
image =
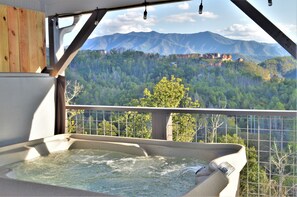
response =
{"points": [[119, 77]]}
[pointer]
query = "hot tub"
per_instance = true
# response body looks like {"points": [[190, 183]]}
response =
{"points": [[219, 177]]}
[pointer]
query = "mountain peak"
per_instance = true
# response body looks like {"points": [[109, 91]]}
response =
{"points": [[176, 43]]}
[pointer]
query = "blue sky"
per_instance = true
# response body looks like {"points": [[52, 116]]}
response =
{"points": [[219, 16]]}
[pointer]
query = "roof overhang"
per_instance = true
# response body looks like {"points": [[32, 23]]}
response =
{"points": [[73, 7]]}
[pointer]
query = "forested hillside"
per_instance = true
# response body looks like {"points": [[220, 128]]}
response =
{"points": [[118, 77], [282, 66]]}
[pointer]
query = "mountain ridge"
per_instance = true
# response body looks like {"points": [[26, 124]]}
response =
{"points": [[177, 43]]}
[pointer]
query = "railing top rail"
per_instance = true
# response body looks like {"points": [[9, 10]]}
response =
{"points": [[290, 113]]}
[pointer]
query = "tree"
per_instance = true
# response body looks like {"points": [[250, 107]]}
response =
{"points": [[167, 93], [252, 172], [107, 128], [73, 89], [215, 122], [282, 169], [184, 127], [136, 124], [171, 93]]}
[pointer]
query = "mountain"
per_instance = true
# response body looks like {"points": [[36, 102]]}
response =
{"points": [[166, 44], [281, 66]]}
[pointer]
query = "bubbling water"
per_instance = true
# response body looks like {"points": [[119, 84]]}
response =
{"points": [[111, 172]]}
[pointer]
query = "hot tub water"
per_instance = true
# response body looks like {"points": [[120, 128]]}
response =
{"points": [[111, 172]]}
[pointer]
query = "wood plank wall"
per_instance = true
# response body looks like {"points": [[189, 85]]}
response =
{"points": [[22, 40]]}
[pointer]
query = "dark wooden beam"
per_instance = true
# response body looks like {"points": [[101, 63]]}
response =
{"points": [[267, 26], [78, 41], [52, 34]]}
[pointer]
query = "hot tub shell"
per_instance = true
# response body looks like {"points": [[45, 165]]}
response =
{"points": [[219, 178]]}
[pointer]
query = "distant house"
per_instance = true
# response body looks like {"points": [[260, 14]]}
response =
{"points": [[208, 56], [186, 56], [226, 57], [102, 52], [196, 55], [216, 55], [212, 55], [183, 56], [240, 60]]}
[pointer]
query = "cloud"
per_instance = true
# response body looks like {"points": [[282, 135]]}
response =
{"points": [[208, 15], [125, 23], [190, 17], [288, 29], [246, 32], [254, 32], [183, 6], [131, 20], [183, 17]]}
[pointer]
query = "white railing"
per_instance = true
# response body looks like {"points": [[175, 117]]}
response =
{"points": [[271, 136]]}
